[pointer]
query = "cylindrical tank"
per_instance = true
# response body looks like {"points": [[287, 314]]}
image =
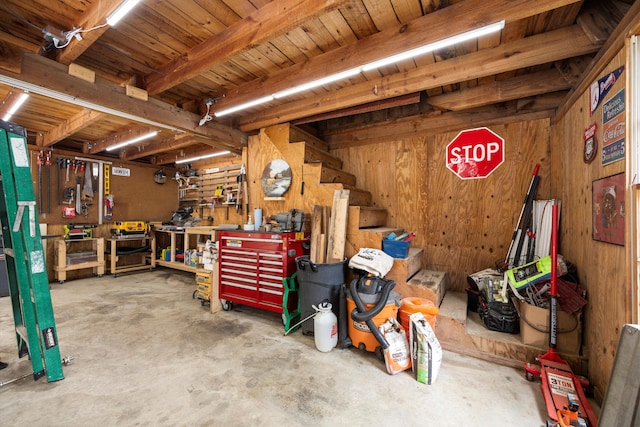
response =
{"points": [[325, 325]]}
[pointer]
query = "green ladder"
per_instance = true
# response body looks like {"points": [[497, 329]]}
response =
{"points": [[27, 273]]}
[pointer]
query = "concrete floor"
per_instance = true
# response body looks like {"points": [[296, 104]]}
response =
{"points": [[145, 353]]}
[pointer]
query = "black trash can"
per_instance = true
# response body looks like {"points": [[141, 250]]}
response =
{"points": [[319, 282]]}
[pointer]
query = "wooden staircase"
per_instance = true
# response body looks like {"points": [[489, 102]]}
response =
{"points": [[318, 174], [322, 175]]}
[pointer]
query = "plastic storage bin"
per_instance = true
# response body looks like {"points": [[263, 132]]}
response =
{"points": [[396, 248]]}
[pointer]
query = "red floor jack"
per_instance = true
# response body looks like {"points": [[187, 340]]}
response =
{"points": [[562, 390]]}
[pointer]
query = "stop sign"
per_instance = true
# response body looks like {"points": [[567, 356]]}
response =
{"points": [[475, 153]]}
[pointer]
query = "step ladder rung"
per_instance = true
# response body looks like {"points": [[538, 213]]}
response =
{"points": [[21, 330]]}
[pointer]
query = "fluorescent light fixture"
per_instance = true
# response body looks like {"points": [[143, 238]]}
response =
{"points": [[133, 141], [319, 82], [204, 156], [449, 41], [121, 11], [459, 38], [15, 106], [244, 106], [61, 96]]}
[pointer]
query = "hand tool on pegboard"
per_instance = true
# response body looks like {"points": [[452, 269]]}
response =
{"points": [[60, 164], [40, 162], [47, 163], [245, 190]]}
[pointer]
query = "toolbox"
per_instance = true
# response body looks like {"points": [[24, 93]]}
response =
{"points": [[253, 265]]}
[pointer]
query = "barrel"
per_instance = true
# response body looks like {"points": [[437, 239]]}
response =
{"points": [[411, 305]]}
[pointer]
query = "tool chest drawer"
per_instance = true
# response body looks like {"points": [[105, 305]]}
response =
{"points": [[253, 265]]}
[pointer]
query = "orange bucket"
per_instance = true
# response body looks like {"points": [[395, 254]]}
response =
{"points": [[412, 305]]}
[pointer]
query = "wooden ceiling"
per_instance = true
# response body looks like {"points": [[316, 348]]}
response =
{"points": [[159, 67]]}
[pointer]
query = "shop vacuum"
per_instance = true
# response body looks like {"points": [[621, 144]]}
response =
{"points": [[370, 302]]}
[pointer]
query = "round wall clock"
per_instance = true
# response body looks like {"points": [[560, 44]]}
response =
{"points": [[276, 178]]}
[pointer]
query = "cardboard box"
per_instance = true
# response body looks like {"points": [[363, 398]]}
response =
{"points": [[534, 328]]}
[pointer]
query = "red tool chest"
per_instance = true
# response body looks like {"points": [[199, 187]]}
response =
{"points": [[253, 264]]}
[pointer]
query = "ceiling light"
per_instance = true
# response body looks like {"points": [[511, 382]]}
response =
{"points": [[133, 141], [74, 100], [319, 82], [244, 106], [459, 38], [204, 156], [449, 41], [121, 11], [15, 106]]}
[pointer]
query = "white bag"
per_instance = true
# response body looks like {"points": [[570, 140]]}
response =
{"points": [[373, 261], [397, 357], [426, 352]]}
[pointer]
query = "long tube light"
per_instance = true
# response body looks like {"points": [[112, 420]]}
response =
{"points": [[204, 156], [15, 106], [133, 141], [449, 41], [60, 96], [121, 11], [412, 53]]}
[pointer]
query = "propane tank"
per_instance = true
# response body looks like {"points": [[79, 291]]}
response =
{"points": [[325, 327]]}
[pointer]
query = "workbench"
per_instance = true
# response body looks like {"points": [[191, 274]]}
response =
{"points": [[67, 260], [145, 250], [181, 238]]}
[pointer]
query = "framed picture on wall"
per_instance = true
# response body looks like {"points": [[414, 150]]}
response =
{"points": [[608, 209]]}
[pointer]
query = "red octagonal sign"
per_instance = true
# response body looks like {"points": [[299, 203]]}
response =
{"points": [[475, 153]]}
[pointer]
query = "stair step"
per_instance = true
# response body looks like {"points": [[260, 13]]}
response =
{"points": [[404, 268], [358, 197], [328, 175], [364, 217], [367, 238], [313, 154], [428, 284], [464, 333], [299, 135]]}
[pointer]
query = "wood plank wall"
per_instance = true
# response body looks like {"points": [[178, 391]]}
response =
{"points": [[463, 225], [601, 266]]}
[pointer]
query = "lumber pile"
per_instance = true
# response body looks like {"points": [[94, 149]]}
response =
{"points": [[329, 230]]}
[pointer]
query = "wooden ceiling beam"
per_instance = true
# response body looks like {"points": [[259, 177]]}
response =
{"points": [[111, 98], [434, 123], [168, 144], [120, 137], [467, 15], [95, 17], [400, 101], [535, 50], [503, 90], [10, 57], [271, 20], [182, 154], [67, 128]]}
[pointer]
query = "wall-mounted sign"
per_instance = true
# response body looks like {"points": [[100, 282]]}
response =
{"points": [[590, 143], [613, 129], [120, 171], [475, 153], [601, 88]]}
